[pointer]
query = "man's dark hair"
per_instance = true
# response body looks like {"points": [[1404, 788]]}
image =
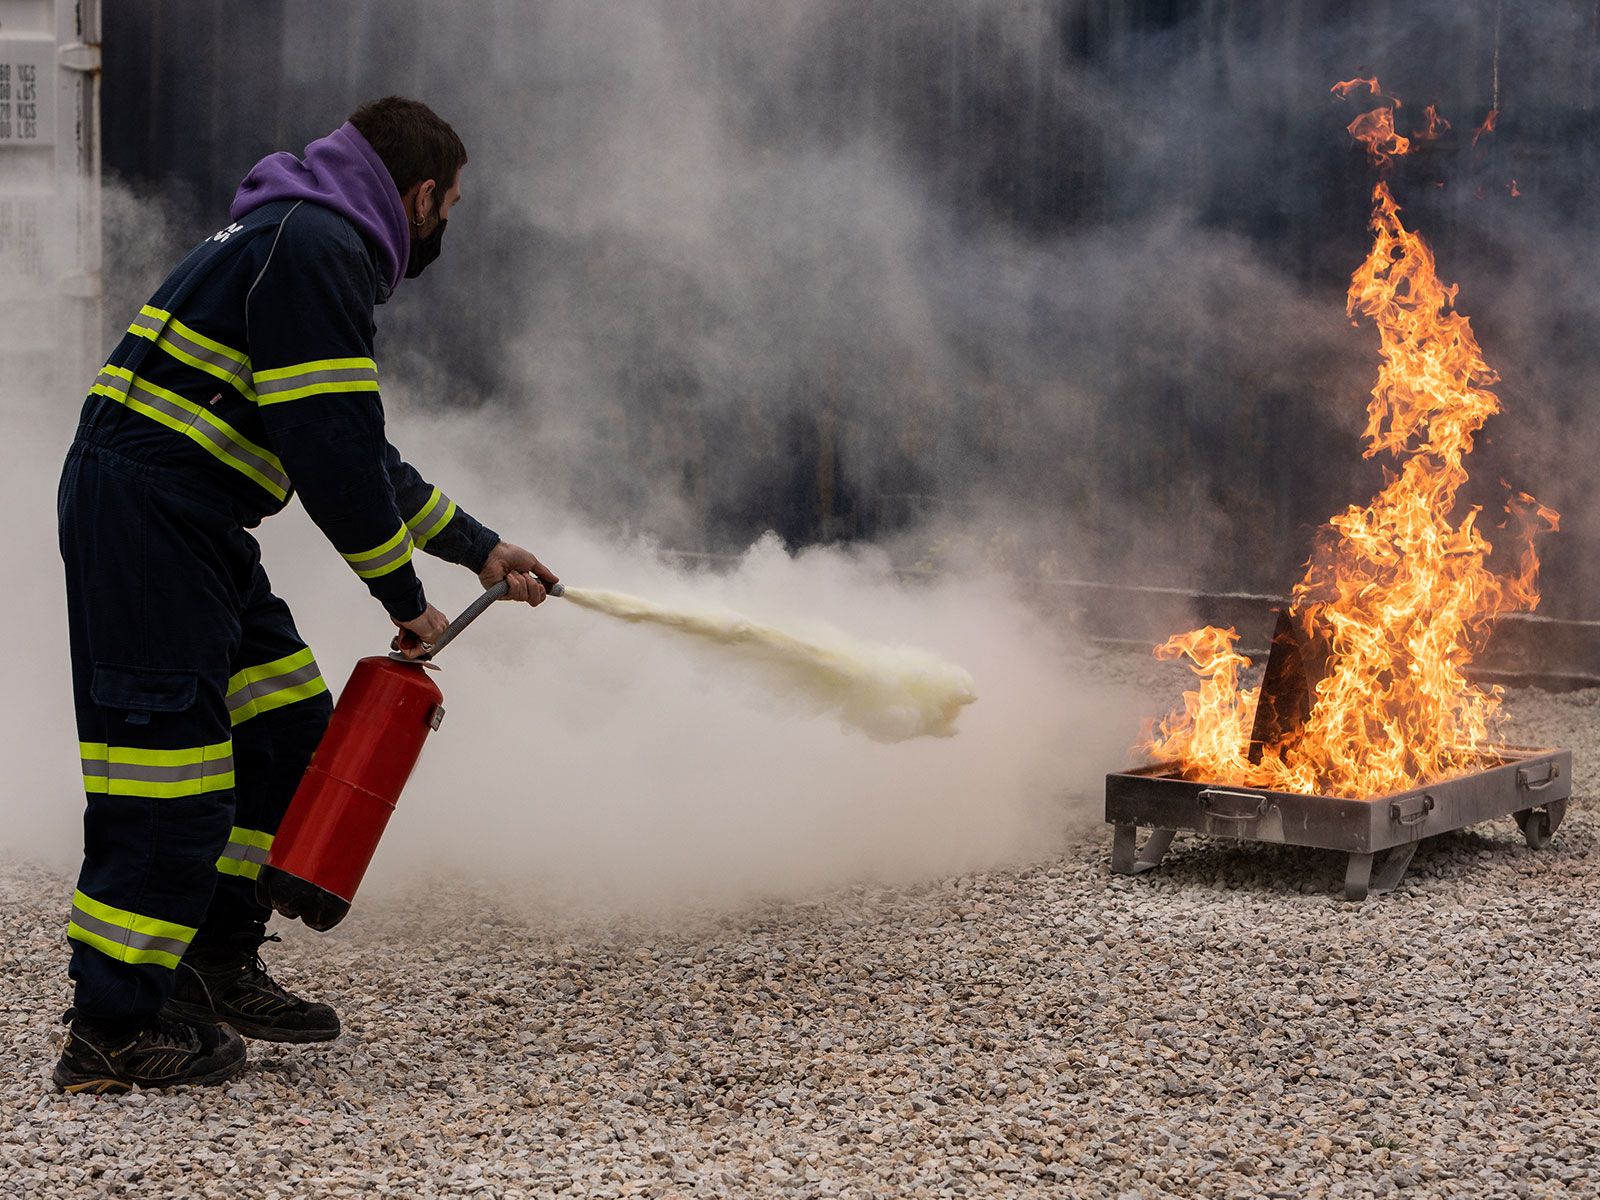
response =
{"points": [[414, 142]]}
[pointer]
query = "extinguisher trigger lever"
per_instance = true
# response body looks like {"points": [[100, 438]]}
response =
{"points": [[396, 656]]}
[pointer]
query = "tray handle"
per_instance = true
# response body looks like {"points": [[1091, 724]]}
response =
{"points": [[1525, 778], [1412, 810], [1223, 805]]}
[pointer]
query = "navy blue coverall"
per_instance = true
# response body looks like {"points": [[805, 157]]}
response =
{"points": [[247, 377]]}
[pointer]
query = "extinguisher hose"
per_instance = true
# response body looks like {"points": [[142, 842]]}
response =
{"points": [[471, 613]]}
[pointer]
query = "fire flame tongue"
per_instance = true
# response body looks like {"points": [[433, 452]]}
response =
{"points": [[1397, 591]]}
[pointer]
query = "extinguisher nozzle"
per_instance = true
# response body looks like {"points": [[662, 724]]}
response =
{"points": [[298, 899], [556, 589]]}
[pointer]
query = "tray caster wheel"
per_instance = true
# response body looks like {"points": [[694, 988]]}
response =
{"points": [[1538, 824], [1536, 829]]}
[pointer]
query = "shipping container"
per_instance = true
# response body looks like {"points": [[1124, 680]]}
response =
{"points": [[49, 188]]}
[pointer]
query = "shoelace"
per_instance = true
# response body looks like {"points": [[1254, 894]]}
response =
{"points": [[164, 1033], [263, 978]]}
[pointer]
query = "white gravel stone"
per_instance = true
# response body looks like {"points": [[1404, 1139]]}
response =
{"points": [[1223, 1027]]}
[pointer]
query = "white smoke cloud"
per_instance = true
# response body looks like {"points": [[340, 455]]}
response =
{"points": [[585, 761], [42, 786], [589, 760]]}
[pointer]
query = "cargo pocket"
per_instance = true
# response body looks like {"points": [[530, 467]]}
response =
{"points": [[141, 691]]}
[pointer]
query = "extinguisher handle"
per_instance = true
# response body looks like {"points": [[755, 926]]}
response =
{"points": [[471, 613], [468, 615]]}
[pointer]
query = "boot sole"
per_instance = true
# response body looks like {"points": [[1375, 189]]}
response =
{"points": [[108, 1085], [250, 1029]]}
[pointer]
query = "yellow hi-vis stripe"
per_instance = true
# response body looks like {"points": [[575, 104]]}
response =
{"points": [[195, 349], [156, 774], [245, 853], [212, 434], [431, 518], [127, 936], [260, 689], [380, 560], [279, 384]]}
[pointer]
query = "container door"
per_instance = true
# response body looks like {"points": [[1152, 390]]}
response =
{"points": [[49, 195]]}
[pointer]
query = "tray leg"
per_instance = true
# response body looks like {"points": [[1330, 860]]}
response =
{"points": [[1537, 824], [1394, 868], [1128, 859], [1358, 880], [1357, 876]]}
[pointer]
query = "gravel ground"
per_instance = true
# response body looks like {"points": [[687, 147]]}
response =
{"points": [[1223, 1027]]}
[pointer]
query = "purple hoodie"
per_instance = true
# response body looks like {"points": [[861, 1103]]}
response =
{"points": [[344, 173]]}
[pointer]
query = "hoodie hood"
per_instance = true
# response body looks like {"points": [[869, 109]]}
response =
{"points": [[344, 173]]}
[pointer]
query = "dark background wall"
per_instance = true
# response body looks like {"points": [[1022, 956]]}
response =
{"points": [[1067, 273]]}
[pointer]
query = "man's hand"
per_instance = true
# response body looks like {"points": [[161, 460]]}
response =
{"points": [[526, 577], [425, 630]]}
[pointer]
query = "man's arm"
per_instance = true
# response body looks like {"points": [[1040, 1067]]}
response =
{"points": [[309, 317], [437, 524], [445, 530]]}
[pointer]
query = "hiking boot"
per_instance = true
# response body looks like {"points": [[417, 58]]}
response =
{"points": [[227, 981], [162, 1052]]}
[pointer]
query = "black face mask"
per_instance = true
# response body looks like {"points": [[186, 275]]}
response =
{"points": [[425, 250]]}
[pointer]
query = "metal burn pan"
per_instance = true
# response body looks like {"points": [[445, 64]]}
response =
{"points": [[1533, 786]]}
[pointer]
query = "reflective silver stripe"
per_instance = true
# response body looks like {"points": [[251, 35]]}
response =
{"points": [[437, 503], [296, 383], [124, 936], [369, 568], [145, 773], [196, 421], [144, 323], [431, 522], [243, 852], [228, 367], [256, 689]]}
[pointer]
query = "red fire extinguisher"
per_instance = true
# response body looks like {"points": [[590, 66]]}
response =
{"points": [[339, 811]]}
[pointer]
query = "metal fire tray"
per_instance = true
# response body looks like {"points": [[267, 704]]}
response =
{"points": [[1532, 786]]}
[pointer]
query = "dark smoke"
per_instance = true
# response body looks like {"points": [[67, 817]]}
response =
{"points": [[1068, 269]]}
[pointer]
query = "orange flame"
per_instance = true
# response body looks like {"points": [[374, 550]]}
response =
{"points": [[1435, 128], [1343, 90], [1375, 129], [1487, 126], [1399, 591]]}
